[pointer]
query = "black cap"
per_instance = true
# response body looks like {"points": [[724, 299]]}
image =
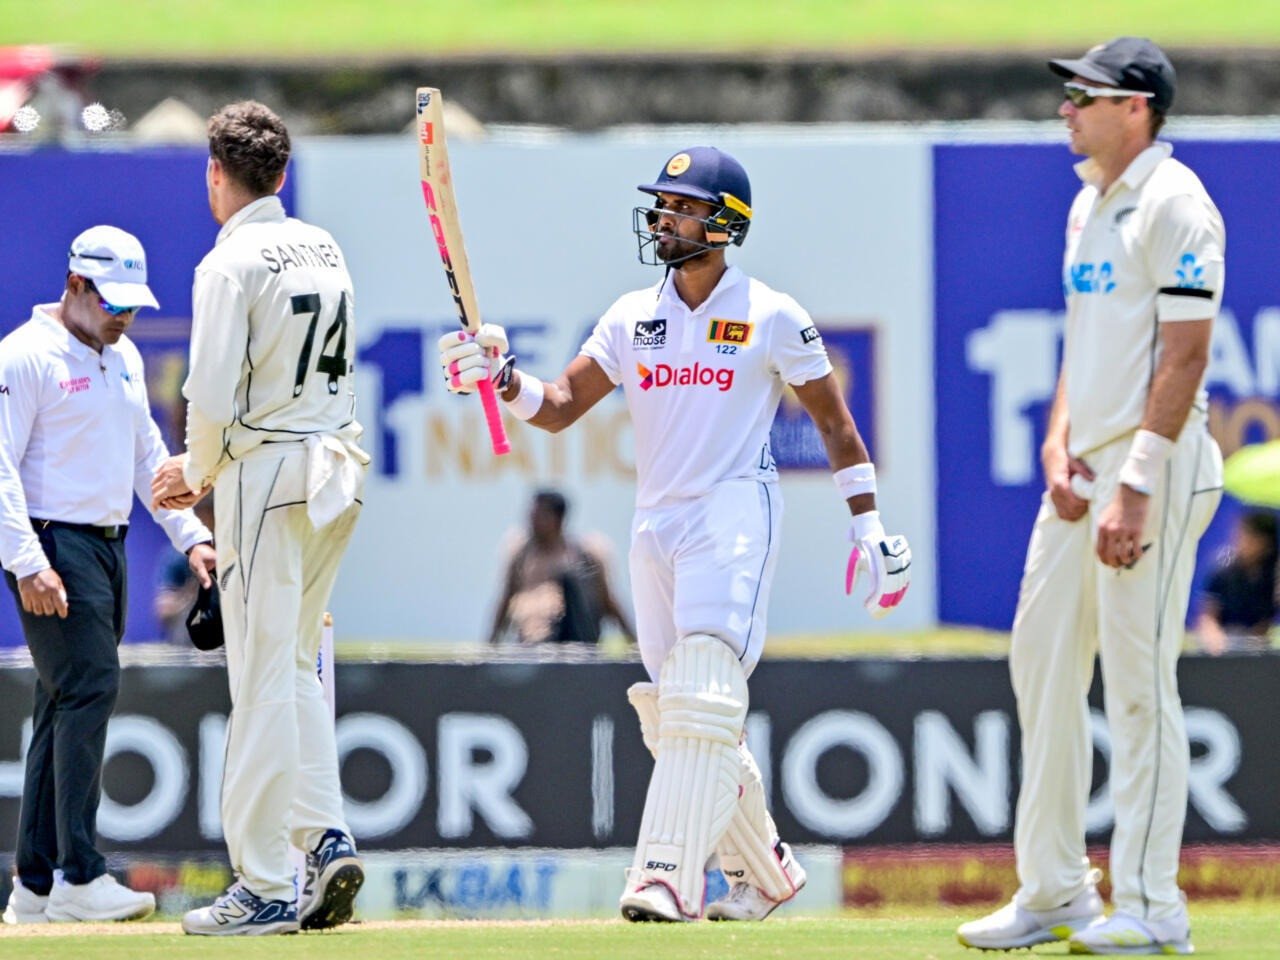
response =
{"points": [[204, 622], [1131, 63]]}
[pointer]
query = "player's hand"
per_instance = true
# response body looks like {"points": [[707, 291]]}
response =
{"points": [[203, 561], [1120, 528], [886, 560], [467, 359], [184, 501], [1070, 482], [169, 484], [43, 594]]}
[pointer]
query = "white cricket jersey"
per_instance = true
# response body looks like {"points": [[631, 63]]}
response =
{"points": [[1149, 251], [703, 385], [77, 439], [272, 340]]}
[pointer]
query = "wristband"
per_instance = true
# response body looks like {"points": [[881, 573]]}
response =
{"points": [[856, 480], [1147, 456], [867, 525], [528, 400]]}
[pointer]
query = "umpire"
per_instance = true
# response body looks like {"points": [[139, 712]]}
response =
{"points": [[77, 440]]}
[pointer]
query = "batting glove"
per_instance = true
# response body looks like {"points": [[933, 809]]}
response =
{"points": [[886, 559], [467, 359]]}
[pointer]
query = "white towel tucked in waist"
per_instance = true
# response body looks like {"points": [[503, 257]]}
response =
{"points": [[334, 467]]}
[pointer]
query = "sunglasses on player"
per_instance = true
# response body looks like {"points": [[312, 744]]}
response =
{"points": [[1082, 95], [109, 308]]}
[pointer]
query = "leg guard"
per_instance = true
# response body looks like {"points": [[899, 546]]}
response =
{"points": [[702, 705], [748, 849]]}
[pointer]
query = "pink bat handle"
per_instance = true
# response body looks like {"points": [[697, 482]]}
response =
{"points": [[493, 416]]}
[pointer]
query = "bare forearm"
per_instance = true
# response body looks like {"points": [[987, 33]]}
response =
{"points": [[1173, 390], [1059, 426]]}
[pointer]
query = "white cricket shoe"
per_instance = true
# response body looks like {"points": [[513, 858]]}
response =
{"points": [[25, 906], [241, 913], [745, 901], [1123, 933], [1013, 926], [98, 900], [649, 902]]}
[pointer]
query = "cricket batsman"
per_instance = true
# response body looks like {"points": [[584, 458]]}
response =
{"points": [[702, 356]]}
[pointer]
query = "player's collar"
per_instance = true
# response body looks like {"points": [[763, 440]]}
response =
{"points": [[731, 277], [56, 330], [262, 210], [1140, 167]]}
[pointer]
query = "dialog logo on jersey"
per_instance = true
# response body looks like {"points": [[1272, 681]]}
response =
{"points": [[665, 375], [649, 334], [737, 332]]}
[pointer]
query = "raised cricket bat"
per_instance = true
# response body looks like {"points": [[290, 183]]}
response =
{"points": [[442, 209]]}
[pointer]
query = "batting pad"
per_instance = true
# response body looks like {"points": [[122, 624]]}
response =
{"points": [[693, 794], [747, 848]]}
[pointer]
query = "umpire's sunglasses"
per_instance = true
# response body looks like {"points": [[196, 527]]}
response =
{"points": [[110, 308], [1082, 95]]}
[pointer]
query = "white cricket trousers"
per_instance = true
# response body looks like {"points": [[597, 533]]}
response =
{"points": [[1070, 607], [706, 565], [280, 780]]}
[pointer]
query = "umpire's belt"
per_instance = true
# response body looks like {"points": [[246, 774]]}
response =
{"points": [[116, 532]]}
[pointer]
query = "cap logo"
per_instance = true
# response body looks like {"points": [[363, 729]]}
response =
{"points": [[135, 265], [678, 164]]}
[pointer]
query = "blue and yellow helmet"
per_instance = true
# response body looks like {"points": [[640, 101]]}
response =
{"points": [[707, 174]]}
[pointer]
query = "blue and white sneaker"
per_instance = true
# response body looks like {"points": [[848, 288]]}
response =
{"points": [[238, 912], [333, 879]]}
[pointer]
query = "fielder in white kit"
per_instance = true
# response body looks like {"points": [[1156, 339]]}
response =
{"points": [[1133, 479], [702, 357], [271, 428]]}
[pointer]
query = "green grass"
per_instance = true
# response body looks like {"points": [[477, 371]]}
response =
{"points": [[339, 28], [1245, 930]]}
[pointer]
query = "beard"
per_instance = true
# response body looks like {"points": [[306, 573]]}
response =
{"points": [[678, 250]]}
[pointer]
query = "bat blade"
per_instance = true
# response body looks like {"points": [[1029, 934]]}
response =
{"points": [[446, 228]]}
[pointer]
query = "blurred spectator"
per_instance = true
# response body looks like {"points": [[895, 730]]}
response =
{"points": [[177, 586], [1240, 602], [556, 588]]}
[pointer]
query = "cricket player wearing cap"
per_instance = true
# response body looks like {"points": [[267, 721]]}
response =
{"points": [[1133, 479], [271, 428], [77, 441], [702, 357]]}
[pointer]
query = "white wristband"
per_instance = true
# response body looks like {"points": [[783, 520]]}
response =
{"points": [[1147, 456], [856, 480], [867, 525], [528, 400]]}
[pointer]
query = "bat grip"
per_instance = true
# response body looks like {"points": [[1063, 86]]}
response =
{"points": [[493, 417]]}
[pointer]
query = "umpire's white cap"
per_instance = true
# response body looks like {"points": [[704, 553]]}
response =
{"points": [[116, 263]]}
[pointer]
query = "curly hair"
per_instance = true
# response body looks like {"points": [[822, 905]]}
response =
{"points": [[251, 143]]}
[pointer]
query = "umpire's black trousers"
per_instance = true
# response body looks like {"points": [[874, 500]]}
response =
{"points": [[78, 676]]}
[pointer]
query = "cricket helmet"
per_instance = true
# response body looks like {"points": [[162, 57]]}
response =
{"points": [[701, 173]]}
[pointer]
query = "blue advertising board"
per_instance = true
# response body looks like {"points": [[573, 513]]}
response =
{"points": [[51, 195], [1000, 215]]}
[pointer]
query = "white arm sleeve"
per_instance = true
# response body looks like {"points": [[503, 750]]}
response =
{"points": [[1186, 242], [796, 351], [219, 344], [20, 550], [602, 345], [182, 527]]}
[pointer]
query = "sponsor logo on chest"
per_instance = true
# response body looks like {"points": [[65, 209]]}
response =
{"points": [[75, 384], [665, 375], [649, 334]]}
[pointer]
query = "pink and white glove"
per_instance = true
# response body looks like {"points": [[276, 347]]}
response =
{"points": [[467, 359], [886, 559]]}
